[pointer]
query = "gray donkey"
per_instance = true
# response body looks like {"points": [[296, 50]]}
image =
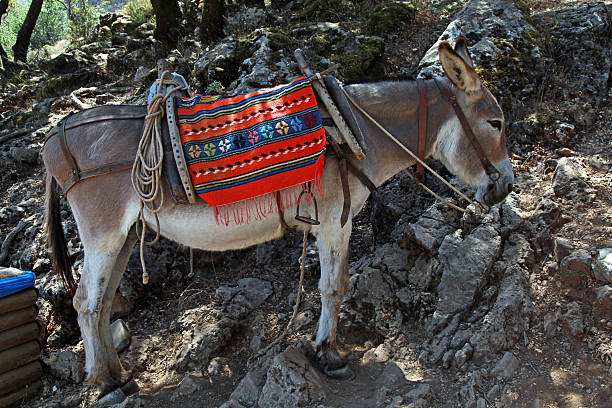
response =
{"points": [[106, 207]]}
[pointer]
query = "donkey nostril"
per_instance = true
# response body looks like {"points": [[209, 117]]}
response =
{"points": [[509, 188]]}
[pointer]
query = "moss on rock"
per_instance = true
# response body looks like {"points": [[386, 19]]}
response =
{"points": [[363, 64], [512, 64], [391, 17], [322, 10], [54, 86]]}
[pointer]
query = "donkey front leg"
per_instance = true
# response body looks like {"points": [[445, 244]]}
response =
{"points": [[333, 243]]}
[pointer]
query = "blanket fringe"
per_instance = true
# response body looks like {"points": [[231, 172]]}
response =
{"points": [[258, 208]]}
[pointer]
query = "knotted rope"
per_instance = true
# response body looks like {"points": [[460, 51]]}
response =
{"points": [[147, 169]]}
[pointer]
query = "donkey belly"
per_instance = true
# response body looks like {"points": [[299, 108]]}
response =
{"points": [[195, 226]]}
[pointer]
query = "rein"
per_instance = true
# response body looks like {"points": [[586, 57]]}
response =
{"points": [[418, 160]]}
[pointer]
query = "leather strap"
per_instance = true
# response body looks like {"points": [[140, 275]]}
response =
{"points": [[92, 120], [281, 211], [361, 176], [346, 192], [99, 171], [74, 169], [489, 168], [422, 127]]}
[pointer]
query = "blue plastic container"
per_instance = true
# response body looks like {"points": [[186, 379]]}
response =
{"points": [[14, 284]]}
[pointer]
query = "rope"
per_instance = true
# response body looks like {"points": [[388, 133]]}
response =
{"points": [[424, 187], [414, 156], [296, 307], [147, 169]]}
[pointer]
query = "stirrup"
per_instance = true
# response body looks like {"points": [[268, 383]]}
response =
{"points": [[304, 218]]}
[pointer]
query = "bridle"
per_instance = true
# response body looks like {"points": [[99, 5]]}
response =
{"points": [[451, 98], [488, 167]]}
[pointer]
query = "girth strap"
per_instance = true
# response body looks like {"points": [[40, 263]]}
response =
{"points": [[489, 168], [422, 127], [346, 192]]}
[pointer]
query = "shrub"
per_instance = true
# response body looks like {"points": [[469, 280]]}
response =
{"points": [[139, 11], [83, 22]]}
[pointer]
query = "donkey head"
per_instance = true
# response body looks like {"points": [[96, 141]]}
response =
{"points": [[486, 120]]}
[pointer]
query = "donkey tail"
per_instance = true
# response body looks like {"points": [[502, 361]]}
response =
{"points": [[56, 240]]}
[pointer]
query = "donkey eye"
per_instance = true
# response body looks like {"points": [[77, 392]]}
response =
{"points": [[497, 124]]}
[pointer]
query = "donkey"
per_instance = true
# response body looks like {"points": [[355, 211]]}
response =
{"points": [[106, 207]]}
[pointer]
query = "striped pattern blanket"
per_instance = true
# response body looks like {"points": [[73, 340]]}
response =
{"points": [[242, 149]]}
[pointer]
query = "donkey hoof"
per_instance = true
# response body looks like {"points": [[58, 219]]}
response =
{"points": [[344, 373], [130, 388], [114, 397]]}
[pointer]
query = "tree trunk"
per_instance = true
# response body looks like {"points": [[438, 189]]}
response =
{"points": [[168, 28], [3, 8], [20, 49], [211, 24]]}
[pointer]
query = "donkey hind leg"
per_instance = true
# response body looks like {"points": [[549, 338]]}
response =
{"points": [[101, 256], [333, 245], [117, 372]]}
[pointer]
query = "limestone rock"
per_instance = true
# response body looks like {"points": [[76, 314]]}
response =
{"points": [[569, 177], [509, 317], [480, 21], [205, 341], [463, 355], [603, 266], [464, 265], [561, 248], [66, 365], [575, 268], [506, 367], [292, 382], [574, 318], [603, 301], [421, 391], [238, 301]]}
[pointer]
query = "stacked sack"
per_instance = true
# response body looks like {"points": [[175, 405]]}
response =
{"points": [[20, 367]]}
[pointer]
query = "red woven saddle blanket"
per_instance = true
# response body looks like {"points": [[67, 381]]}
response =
{"points": [[249, 145]]}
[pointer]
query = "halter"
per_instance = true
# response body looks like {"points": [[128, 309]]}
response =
{"points": [[488, 167]]}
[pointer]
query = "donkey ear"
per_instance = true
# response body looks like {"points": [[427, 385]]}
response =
{"points": [[457, 69], [462, 49]]}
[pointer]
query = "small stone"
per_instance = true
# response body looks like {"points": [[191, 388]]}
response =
{"points": [[115, 397], [121, 335], [141, 74], [574, 319], [506, 367], [422, 391], [602, 306], [569, 177], [24, 155], [66, 365], [561, 248], [575, 268], [447, 358], [396, 402], [603, 265], [481, 403], [493, 392], [463, 355]]}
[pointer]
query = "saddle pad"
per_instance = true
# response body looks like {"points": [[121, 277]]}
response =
{"points": [[248, 145]]}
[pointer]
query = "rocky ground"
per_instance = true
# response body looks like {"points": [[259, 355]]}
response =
{"points": [[512, 308]]}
